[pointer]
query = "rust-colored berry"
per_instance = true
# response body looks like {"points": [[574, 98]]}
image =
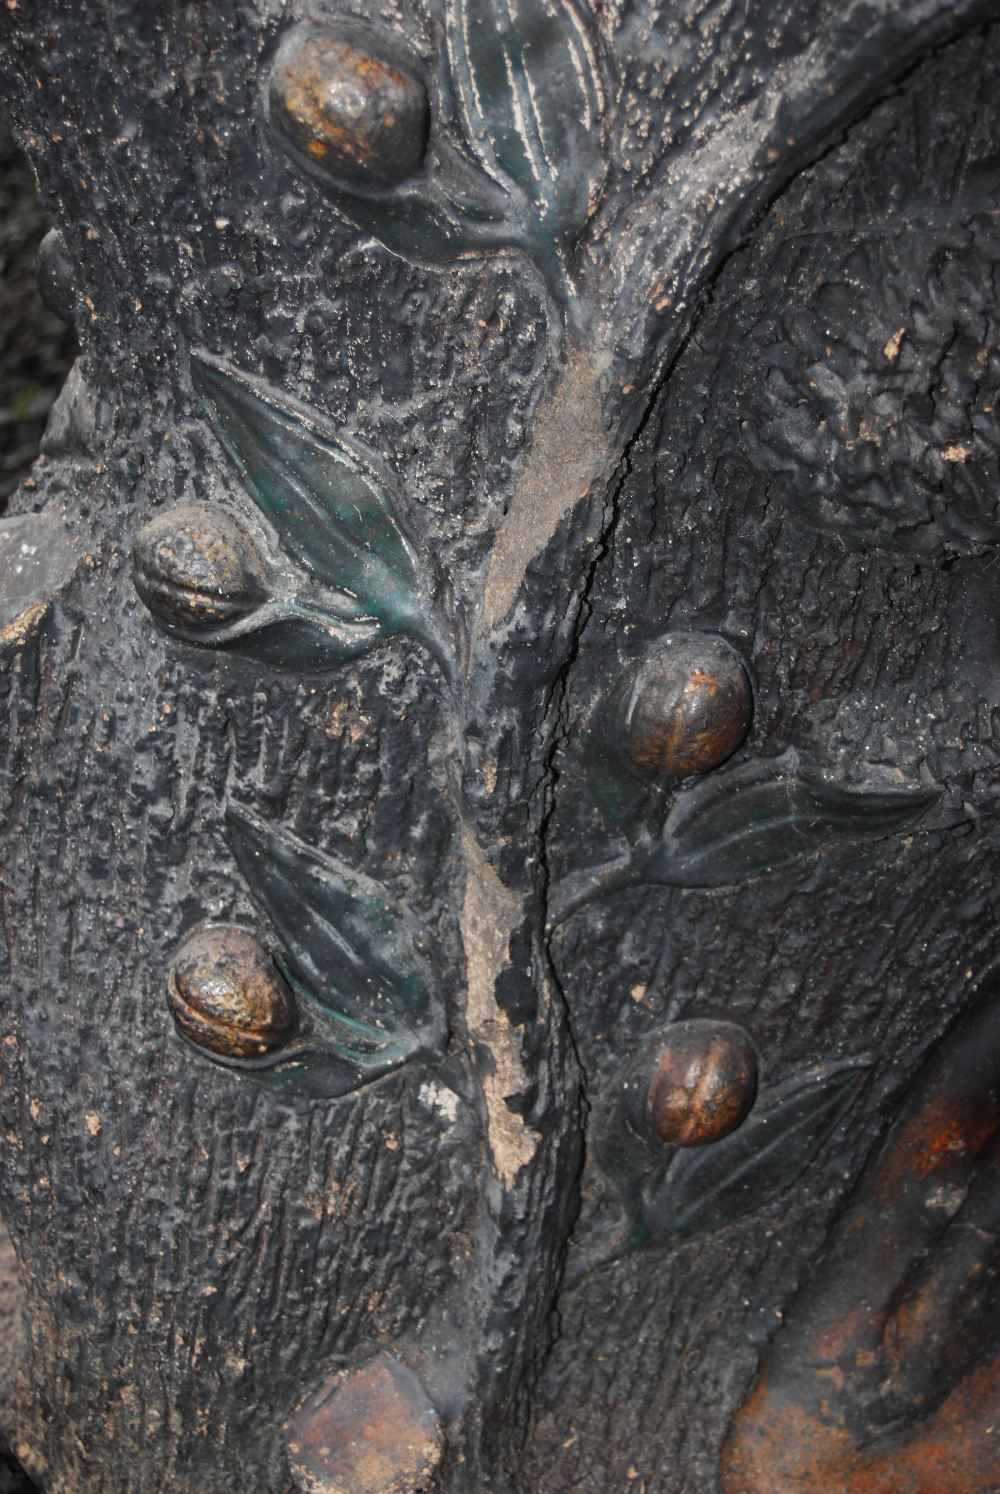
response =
{"points": [[685, 708], [196, 569], [226, 994], [350, 106], [370, 1430], [694, 1085]]}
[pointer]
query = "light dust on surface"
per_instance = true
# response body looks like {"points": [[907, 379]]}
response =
{"points": [[570, 448], [490, 914], [10, 1318]]}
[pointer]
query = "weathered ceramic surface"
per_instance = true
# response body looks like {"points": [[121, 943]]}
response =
{"points": [[512, 577]]}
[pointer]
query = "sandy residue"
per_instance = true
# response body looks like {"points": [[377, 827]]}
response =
{"points": [[490, 914], [570, 447]]}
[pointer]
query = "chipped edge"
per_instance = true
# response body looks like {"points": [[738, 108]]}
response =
{"points": [[490, 913]]}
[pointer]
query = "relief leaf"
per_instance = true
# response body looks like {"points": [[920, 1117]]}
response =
{"points": [[704, 1188], [350, 108], [439, 218], [370, 998], [296, 633], [763, 816], [331, 504], [529, 89], [754, 819]]}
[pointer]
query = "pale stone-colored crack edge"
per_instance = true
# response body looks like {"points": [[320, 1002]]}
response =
{"points": [[570, 448], [490, 914]]}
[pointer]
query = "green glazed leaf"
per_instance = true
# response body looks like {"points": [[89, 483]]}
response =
{"points": [[332, 508], [759, 818], [529, 89], [291, 634], [704, 1188], [752, 820], [525, 166], [370, 997]]}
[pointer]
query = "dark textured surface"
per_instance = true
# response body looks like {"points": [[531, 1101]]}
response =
{"points": [[35, 348], [868, 662], [806, 467], [13, 1479], [35, 354]]}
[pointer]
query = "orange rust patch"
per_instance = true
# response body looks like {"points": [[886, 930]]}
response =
{"points": [[376, 71], [354, 112], [945, 1131], [225, 994], [701, 1089], [896, 1309], [948, 1143], [690, 707], [698, 680], [786, 1450], [839, 1336], [22, 628], [368, 1432], [303, 91]]}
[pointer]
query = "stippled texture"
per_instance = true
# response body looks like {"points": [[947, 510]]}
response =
{"points": [[201, 1254]]}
